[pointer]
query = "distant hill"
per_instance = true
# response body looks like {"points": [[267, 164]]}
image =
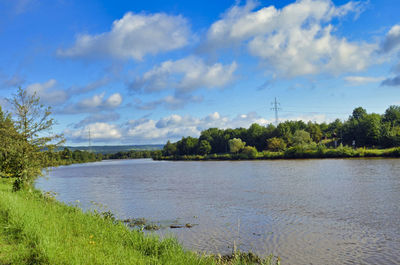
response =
{"points": [[111, 149]]}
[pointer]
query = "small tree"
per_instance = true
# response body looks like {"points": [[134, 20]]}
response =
{"points": [[10, 151], [276, 144], [235, 145], [169, 149], [204, 147], [249, 152], [301, 137], [32, 121]]}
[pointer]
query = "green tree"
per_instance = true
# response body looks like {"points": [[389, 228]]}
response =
{"points": [[235, 145], [187, 146], [32, 121], [169, 149], [249, 152], [315, 131], [392, 115], [10, 146], [257, 136], [217, 139], [359, 113], [204, 147], [276, 144], [301, 137]]}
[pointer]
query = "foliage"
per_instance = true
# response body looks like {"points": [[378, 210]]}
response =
{"points": [[204, 147], [236, 145], [365, 129], [276, 144], [301, 137], [169, 149], [33, 123], [249, 152], [133, 154]]}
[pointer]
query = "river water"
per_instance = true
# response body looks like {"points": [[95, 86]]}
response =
{"points": [[329, 211]]}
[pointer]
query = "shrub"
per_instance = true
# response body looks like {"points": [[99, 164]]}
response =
{"points": [[249, 152]]}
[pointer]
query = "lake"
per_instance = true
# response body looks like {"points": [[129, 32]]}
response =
{"points": [[330, 211]]}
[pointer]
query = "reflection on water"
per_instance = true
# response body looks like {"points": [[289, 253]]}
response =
{"points": [[305, 211]]}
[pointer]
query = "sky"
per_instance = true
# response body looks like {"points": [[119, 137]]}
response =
{"points": [[144, 72]]}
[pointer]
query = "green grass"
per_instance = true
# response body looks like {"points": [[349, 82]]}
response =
{"points": [[37, 229]]}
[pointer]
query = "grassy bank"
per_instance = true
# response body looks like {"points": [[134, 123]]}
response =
{"points": [[294, 153], [37, 229]]}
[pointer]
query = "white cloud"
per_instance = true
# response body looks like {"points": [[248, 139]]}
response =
{"points": [[185, 75], [47, 92], [295, 40], [94, 104], [174, 127], [133, 36], [392, 40], [359, 80], [113, 101], [98, 131]]}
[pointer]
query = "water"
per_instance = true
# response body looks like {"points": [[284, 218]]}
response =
{"points": [[306, 211]]}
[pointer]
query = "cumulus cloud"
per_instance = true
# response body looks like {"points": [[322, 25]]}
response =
{"points": [[359, 80], [295, 40], [169, 102], [132, 37], [47, 92], [184, 75], [94, 104], [176, 126], [392, 40], [173, 127], [99, 131]]}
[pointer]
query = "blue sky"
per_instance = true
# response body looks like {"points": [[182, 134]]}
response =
{"points": [[143, 72]]}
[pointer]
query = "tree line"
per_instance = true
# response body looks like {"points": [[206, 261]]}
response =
{"points": [[361, 129]]}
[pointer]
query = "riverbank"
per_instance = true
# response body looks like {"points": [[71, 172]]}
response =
{"points": [[37, 229], [297, 152]]}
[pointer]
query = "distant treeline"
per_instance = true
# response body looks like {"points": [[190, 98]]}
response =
{"points": [[133, 154], [112, 149], [67, 157], [296, 139]]}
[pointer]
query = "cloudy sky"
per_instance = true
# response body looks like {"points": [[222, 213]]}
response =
{"points": [[143, 72]]}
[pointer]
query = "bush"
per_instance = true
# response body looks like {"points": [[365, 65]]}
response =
{"points": [[276, 144], [249, 152]]}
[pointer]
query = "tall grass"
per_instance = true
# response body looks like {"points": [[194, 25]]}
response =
{"points": [[37, 229]]}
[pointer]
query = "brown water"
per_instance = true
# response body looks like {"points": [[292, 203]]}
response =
{"points": [[305, 211]]}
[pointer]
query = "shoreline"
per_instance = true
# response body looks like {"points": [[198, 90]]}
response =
{"points": [[293, 153], [35, 228]]}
